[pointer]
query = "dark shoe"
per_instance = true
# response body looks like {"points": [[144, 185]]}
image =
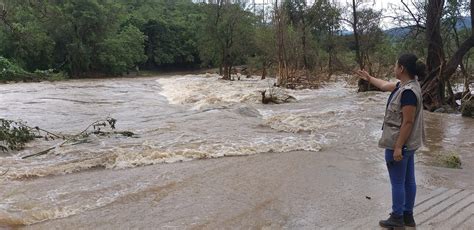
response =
{"points": [[394, 221], [409, 220]]}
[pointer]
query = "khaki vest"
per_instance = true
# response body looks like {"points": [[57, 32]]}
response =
{"points": [[393, 119]]}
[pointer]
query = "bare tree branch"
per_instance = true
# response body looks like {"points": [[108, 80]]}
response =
{"points": [[417, 20]]}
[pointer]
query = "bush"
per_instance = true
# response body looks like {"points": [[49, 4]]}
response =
{"points": [[467, 107], [50, 75], [12, 72], [450, 160], [14, 135]]}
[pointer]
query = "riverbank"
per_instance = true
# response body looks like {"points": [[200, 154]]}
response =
{"points": [[49, 76]]}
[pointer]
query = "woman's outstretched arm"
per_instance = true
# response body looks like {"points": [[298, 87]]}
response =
{"points": [[379, 83]]}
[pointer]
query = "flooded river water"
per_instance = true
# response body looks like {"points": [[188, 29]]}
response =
{"points": [[182, 118]]}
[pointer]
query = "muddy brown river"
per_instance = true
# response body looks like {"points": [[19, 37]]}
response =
{"points": [[186, 118]]}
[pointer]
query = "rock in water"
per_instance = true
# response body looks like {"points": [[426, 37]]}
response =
{"points": [[247, 111]]}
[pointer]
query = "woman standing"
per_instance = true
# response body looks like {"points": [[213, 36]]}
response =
{"points": [[402, 135]]}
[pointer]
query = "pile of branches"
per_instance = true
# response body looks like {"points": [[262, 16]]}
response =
{"points": [[15, 134]]}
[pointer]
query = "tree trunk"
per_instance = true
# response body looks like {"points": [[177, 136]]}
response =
{"points": [[433, 35], [451, 99], [282, 67], [226, 65], [464, 72], [456, 59], [226, 75], [363, 85], [356, 34], [330, 64], [222, 65], [439, 71], [433, 86], [466, 79], [303, 40]]}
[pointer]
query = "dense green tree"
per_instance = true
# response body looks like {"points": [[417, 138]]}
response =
{"points": [[123, 52], [24, 39], [171, 28]]}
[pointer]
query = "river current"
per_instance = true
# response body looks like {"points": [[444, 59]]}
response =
{"points": [[182, 118]]}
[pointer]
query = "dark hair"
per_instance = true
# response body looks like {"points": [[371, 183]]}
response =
{"points": [[413, 65]]}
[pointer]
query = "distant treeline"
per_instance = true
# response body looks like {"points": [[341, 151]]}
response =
{"points": [[81, 37], [100, 36]]}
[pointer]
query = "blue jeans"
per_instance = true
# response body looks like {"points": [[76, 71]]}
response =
{"points": [[402, 178]]}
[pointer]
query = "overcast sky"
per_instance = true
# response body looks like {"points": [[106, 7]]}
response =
{"points": [[385, 5], [378, 3], [387, 10]]}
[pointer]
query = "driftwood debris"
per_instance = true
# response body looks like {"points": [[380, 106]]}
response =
{"points": [[81, 136], [44, 151]]}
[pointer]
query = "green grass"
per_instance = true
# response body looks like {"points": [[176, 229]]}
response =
{"points": [[449, 160]]}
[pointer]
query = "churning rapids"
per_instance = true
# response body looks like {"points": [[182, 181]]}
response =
{"points": [[182, 118]]}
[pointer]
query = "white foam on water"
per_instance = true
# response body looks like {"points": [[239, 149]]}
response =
{"points": [[125, 160], [310, 121], [202, 91], [149, 154], [18, 210]]}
